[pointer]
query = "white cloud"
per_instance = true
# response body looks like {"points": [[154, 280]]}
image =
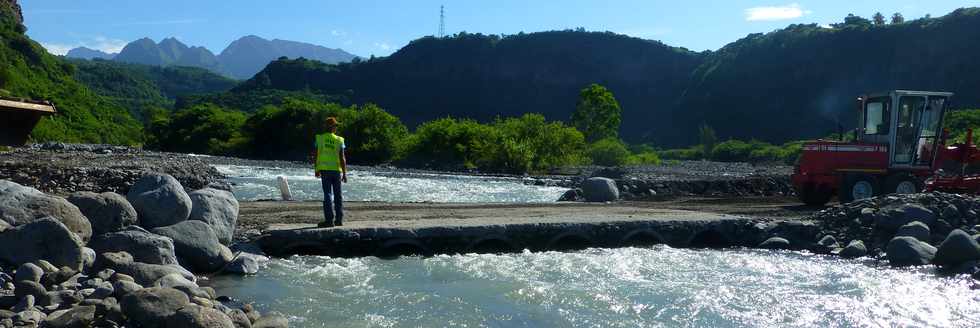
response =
{"points": [[383, 46], [773, 13], [338, 33], [56, 48], [105, 44]]}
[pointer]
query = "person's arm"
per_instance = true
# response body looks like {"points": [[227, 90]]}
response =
{"points": [[313, 159], [343, 165]]}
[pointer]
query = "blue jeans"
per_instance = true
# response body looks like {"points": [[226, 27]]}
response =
{"points": [[333, 200]]}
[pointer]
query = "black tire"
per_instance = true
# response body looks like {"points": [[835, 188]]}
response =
{"points": [[902, 181], [814, 196], [847, 190]]}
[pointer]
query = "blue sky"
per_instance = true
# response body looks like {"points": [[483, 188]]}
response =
{"points": [[378, 27]]}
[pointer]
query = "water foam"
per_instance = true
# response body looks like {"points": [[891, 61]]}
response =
{"points": [[254, 183], [627, 287]]}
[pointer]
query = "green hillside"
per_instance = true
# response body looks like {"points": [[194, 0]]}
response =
{"points": [[794, 83], [28, 71], [799, 81], [486, 76], [141, 87]]}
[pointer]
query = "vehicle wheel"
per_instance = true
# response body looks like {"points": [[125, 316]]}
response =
{"points": [[814, 196], [902, 184], [857, 187]]}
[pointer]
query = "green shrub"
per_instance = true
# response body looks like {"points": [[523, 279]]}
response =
{"points": [[551, 144], [644, 158], [203, 129], [683, 154], [450, 143], [609, 152], [373, 136]]}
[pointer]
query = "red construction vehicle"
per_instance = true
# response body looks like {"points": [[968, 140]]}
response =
{"points": [[899, 148]]}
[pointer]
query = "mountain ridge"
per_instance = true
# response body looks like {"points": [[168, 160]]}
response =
{"points": [[793, 83], [241, 59]]}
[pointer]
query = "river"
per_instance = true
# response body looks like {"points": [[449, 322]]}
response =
{"points": [[626, 287]]}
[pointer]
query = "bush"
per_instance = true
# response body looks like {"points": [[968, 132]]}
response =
{"points": [[551, 144], [373, 136], [203, 129], [450, 144], [684, 154], [609, 152], [644, 158]]}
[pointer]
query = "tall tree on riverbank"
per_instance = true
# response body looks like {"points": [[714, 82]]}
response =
{"points": [[597, 114], [878, 19], [708, 139], [897, 18]]}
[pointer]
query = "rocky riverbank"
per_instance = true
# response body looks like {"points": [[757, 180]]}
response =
{"points": [[108, 260], [66, 168], [689, 178]]}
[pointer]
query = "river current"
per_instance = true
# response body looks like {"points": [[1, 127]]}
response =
{"points": [[658, 286]]}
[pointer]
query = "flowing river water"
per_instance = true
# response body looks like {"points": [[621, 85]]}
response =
{"points": [[626, 287]]}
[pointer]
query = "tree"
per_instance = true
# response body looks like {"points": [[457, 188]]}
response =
{"points": [[597, 113], [897, 18], [878, 19], [708, 139]]}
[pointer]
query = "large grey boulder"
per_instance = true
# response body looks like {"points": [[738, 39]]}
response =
{"points": [[144, 246], [854, 249], [197, 245], [76, 317], [958, 247], [160, 200], [29, 272], [271, 320], [245, 264], [218, 208], [893, 218], [915, 229], [142, 273], [43, 239], [239, 319], [775, 243], [21, 205], [598, 189], [108, 212], [179, 282], [908, 251], [151, 307], [194, 316]]}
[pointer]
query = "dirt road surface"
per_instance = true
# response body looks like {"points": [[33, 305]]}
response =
{"points": [[262, 215]]}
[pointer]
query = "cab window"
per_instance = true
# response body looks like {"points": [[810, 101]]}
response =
{"points": [[876, 116]]}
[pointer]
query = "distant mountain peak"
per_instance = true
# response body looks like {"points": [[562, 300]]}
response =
{"points": [[241, 59], [89, 53]]}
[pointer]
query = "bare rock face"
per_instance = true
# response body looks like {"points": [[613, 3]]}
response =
{"points": [[13, 6]]}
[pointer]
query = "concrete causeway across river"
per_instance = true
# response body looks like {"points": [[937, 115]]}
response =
{"points": [[389, 229]]}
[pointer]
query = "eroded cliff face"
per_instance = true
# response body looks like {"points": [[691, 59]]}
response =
{"points": [[14, 7]]}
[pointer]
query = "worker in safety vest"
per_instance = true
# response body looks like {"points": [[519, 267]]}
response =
{"points": [[331, 168]]}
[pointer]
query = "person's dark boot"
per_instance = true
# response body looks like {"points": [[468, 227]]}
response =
{"points": [[338, 223], [325, 224]]}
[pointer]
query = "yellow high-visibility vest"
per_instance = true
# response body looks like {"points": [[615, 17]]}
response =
{"points": [[328, 147]]}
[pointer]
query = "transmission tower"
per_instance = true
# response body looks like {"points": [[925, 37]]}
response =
{"points": [[442, 22]]}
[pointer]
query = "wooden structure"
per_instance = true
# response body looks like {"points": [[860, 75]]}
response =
{"points": [[18, 118]]}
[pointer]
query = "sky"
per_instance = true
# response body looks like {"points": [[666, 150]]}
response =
{"points": [[380, 27]]}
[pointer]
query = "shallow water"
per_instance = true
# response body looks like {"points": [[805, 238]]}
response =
{"points": [[627, 287], [254, 183]]}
